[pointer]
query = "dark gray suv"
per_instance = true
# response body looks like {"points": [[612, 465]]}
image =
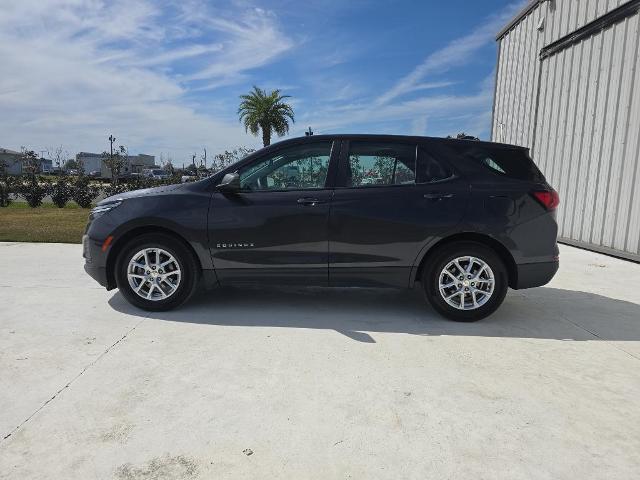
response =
{"points": [[466, 219]]}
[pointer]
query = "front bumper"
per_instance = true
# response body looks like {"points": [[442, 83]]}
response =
{"points": [[536, 274], [99, 274], [95, 260]]}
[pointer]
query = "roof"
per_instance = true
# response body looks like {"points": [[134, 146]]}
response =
{"points": [[384, 138], [88, 154], [519, 16], [11, 152]]}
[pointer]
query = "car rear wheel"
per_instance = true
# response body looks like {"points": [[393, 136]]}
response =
{"points": [[465, 281], [156, 272]]}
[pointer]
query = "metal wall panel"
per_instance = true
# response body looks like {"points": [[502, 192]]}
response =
{"points": [[579, 112]]}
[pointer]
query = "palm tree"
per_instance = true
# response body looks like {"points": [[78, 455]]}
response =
{"points": [[259, 111]]}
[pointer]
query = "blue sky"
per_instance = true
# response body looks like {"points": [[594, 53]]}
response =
{"points": [[164, 76]]}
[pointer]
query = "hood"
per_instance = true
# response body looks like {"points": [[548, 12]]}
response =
{"points": [[142, 193]]}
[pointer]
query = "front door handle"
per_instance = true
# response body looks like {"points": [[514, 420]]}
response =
{"points": [[436, 197], [309, 201]]}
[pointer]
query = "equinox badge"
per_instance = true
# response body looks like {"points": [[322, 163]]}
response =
{"points": [[234, 245]]}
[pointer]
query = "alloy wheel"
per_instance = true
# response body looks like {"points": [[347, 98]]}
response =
{"points": [[154, 274], [466, 283]]}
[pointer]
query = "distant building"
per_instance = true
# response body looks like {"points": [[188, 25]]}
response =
{"points": [[15, 165], [135, 164], [46, 165], [12, 160], [93, 162]]}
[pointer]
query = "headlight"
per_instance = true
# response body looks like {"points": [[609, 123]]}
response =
{"points": [[102, 209]]}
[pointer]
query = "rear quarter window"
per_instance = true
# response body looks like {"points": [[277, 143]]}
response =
{"points": [[506, 162]]}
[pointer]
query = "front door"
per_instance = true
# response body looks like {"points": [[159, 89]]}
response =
{"points": [[391, 199], [275, 229]]}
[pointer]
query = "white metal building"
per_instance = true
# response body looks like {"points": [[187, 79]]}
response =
{"points": [[91, 162], [135, 163], [568, 87]]}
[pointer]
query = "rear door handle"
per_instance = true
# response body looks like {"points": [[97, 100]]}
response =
{"points": [[311, 202], [436, 197]]}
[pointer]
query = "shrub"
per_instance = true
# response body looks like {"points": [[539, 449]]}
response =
{"points": [[7, 189], [5, 194], [138, 183], [33, 191], [83, 193], [111, 190], [60, 192]]}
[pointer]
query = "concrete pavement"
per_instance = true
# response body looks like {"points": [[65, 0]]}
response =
{"points": [[316, 384]]}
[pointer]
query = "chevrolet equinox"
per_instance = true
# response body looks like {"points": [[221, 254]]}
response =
{"points": [[465, 219]]}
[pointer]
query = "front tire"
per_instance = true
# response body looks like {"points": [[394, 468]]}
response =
{"points": [[465, 281], [156, 272]]}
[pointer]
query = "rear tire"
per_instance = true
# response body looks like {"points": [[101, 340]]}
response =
{"points": [[156, 283], [473, 294]]}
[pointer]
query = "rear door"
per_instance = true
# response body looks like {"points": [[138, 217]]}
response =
{"points": [[391, 199]]}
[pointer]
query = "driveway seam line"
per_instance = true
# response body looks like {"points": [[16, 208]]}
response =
{"points": [[87, 367], [608, 342]]}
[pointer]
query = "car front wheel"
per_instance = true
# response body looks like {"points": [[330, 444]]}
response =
{"points": [[465, 281], [156, 272]]}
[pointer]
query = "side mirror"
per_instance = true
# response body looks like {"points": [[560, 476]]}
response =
{"points": [[230, 183]]}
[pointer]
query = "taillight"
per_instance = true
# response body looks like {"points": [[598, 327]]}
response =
{"points": [[548, 198]]}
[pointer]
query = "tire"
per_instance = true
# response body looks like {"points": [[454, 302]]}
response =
{"points": [[181, 274], [488, 303]]}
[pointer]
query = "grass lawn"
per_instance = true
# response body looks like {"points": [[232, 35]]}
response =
{"points": [[48, 223]]}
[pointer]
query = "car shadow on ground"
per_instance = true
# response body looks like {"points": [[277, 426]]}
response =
{"points": [[541, 313]]}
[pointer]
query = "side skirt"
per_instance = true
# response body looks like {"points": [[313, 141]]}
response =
{"points": [[305, 277], [396, 277]]}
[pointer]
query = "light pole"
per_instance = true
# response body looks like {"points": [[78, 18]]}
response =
{"points": [[111, 140]]}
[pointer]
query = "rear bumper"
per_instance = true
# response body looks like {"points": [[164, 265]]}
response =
{"points": [[536, 274]]}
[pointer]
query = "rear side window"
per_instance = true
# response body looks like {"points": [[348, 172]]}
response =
{"points": [[513, 163], [430, 169], [379, 164]]}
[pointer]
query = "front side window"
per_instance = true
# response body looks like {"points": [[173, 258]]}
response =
{"points": [[300, 167], [379, 164]]}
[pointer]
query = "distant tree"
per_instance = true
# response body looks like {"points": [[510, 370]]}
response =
{"points": [[385, 167], [116, 162], [59, 156], [229, 157], [70, 164], [357, 170], [167, 166], [30, 162], [266, 113], [80, 167]]}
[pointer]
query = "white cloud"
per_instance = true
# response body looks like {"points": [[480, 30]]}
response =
{"points": [[426, 112], [253, 40], [454, 54], [435, 115], [75, 71]]}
